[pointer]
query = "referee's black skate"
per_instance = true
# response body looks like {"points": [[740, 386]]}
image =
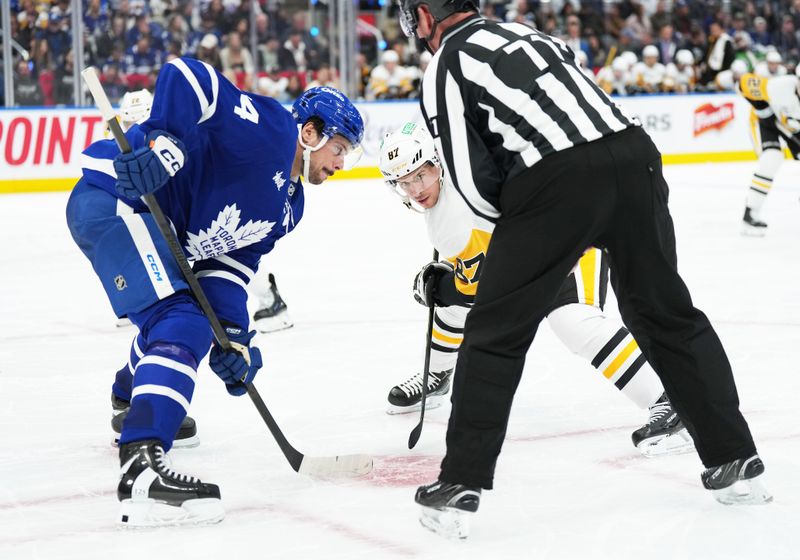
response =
{"points": [[752, 225], [151, 494], [272, 314], [664, 433], [407, 396], [738, 482], [447, 507], [185, 438]]}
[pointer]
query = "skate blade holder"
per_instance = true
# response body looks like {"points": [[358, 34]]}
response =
{"points": [[450, 523], [143, 514], [275, 323], [673, 444], [744, 492]]}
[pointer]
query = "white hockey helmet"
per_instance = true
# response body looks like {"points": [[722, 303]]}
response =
{"points": [[135, 106], [629, 57], [774, 57], [738, 68], [650, 50], [403, 152], [684, 56], [619, 64]]}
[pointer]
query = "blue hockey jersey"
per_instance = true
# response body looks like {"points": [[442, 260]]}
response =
{"points": [[234, 197]]}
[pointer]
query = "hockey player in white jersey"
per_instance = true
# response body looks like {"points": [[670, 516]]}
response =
{"points": [[681, 75], [410, 165], [775, 124]]}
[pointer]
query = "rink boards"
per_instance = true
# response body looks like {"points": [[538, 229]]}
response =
{"points": [[40, 147]]}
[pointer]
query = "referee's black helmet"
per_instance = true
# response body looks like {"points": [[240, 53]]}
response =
{"points": [[439, 8]]}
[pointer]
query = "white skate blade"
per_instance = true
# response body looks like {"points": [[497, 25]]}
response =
{"points": [[150, 513], [279, 322], [673, 444], [335, 467], [431, 402], [185, 443], [744, 492], [450, 523], [750, 231], [124, 322]]}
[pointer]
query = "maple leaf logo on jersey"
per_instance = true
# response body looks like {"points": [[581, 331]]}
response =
{"points": [[279, 180], [225, 235]]}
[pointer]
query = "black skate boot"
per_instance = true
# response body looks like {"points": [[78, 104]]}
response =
{"points": [[664, 433], [447, 507], [738, 482], [407, 396], [151, 494], [752, 225], [273, 314], [187, 433]]}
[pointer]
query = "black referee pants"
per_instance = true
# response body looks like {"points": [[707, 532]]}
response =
{"points": [[609, 193]]}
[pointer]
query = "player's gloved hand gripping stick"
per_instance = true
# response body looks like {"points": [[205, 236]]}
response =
{"points": [[340, 465]]}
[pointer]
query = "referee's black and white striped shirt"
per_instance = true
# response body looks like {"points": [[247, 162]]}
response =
{"points": [[499, 97]]}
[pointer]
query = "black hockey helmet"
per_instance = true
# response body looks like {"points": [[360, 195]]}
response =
{"points": [[439, 8]]}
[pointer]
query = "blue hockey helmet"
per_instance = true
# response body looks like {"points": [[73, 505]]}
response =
{"points": [[336, 111]]}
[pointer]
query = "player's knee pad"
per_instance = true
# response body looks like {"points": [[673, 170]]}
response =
{"points": [[768, 163], [178, 322]]}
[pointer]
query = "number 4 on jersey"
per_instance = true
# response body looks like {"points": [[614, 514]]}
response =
{"points": [[246, 109]]}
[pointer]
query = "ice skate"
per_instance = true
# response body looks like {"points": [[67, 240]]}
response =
{"points": [[738, 482], [407, 396], [186, 436], [151, 494], [664, 433], [447, 508], [272, 314], [123, 322], [752, 226]]}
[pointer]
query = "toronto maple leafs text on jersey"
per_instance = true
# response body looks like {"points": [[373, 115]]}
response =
{"points": [[230, 203], [498, 98]]}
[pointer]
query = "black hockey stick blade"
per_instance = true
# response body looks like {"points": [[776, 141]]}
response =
{"points": [[413, 437]]}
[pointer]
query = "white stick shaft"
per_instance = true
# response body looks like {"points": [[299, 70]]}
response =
{"points": [[96, 89]]}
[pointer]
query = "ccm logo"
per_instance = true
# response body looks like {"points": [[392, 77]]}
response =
{"points": [[154, 267]]}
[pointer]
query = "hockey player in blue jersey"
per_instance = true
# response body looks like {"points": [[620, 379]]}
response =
{"points": [[225, 167]]}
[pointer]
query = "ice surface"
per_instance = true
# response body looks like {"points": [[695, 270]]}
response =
{"points": [[569, 483]]}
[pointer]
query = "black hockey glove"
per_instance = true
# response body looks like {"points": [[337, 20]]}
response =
{"points": [[432, 273]]}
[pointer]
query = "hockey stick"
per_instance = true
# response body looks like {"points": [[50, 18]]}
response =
{"points": [[340, 465], [413, 437]]}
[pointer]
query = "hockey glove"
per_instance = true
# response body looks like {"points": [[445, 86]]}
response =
{"points": [[432, 274], [148, 168], [238, 367]]}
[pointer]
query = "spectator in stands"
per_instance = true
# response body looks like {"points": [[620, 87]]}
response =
{"points": [[667, 46], [274, 85], [269, 54], [146, 28], [388, 80], [64, 83], [742, 43], [215, 12], [295, 86], [107, 38], [648, 75], [772, 66], [786, 40], [681, 76], [26, 88], [57, 34], [573, 37], [325, 77], [720, 53], [760, 33], [177, 34], [95, 17], [363, 71], [659, 19], [139, 63], [293, 54], [208, 51], [237, 62], [638, 23], [113, 84]]}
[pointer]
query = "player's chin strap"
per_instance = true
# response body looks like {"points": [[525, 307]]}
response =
{"points": [[307, 153]]}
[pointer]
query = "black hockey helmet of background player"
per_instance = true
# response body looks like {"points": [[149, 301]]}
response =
{"points": [[440, 9]]}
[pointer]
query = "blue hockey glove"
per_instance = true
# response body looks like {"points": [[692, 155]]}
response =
{"points": [[236, 368], [431, 273], [148, 168]]}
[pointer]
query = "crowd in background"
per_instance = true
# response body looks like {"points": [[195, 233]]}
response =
{"points": [[628, 46]]}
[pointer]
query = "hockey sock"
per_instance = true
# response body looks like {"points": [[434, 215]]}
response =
{"points": [[446, 337], [610, 348], [123, 383], [761, 182]]}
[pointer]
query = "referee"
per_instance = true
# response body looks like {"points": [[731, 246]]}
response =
{"points": [[533, 145]]}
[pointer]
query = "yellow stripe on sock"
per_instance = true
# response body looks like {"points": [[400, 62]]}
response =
{"points": [[761, 184], [444, 338], [620, 359]]}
